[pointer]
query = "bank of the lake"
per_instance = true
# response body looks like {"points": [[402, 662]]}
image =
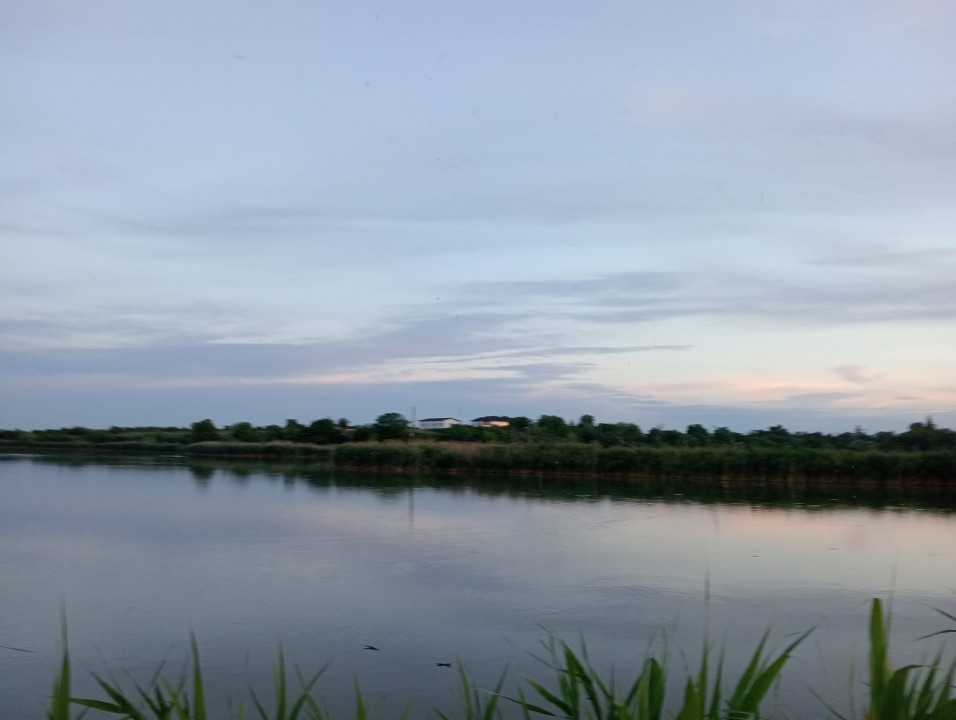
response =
{"points": [[928, 468]]}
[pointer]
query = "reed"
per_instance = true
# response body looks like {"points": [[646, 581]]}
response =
{"points": [[276, 450], [582, 693], [61, 697], [911, 692], [732, 463], [303, 705], [476, 703]]}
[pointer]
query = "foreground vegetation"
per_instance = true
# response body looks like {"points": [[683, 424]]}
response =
{"points": [[573, 689]]}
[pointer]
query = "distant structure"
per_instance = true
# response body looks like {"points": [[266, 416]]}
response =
{"points": [[437, 423], [490, 421]]}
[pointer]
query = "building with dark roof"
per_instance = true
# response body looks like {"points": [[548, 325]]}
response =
{"points": [[490, 421]]}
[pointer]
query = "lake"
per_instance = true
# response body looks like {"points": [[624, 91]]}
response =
{"points": [[475, 571]]}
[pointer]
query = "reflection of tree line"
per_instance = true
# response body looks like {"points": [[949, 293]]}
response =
{"points": [[866, 490]]}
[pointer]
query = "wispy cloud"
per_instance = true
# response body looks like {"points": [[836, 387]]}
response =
{"points": [[933, 259], [855, 374], [642, 297]]}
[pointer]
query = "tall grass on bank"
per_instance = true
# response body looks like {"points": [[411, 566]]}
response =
{"points": [[872, 467], [573, 689], [804, 464], [278, 450]]}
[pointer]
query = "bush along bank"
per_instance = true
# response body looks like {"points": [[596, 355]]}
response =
{"points": [[804, 464]]}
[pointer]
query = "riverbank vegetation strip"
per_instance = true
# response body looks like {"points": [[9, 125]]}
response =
{"points": [[724, 463], [923, 454]]}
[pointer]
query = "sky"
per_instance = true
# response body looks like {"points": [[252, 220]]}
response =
{"points": [[736, 214]]}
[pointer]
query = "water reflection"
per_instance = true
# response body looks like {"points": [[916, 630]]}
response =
{"points": [[775, 493], [202, 473], [428, 568], [806, 495]]}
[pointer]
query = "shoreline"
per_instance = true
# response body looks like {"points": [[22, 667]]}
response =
{"points": [[792, 468]]}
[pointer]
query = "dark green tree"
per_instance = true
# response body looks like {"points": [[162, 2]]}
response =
{"points": [[926, 436], [697, 435], [614, 434], [775, 436], [362, 433], [322, 432], [459, 433], [551, 427], [203, 431], [272, 433], [294, 431], [725, 436], [585, 430], [390, 426], [673, 438], [496, 434], [245, 432]]}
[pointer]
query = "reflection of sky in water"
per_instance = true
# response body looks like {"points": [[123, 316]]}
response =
{"points": [[142, 555]]}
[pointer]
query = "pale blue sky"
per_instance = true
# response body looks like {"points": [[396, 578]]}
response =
{"points": [[730, 213]]}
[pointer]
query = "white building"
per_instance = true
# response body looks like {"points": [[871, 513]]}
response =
{"points": [[437, 423]]}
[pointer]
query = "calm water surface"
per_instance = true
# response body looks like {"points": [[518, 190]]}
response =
{"points": [[141, 553]]}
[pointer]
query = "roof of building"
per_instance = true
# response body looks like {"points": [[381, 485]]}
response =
{"points": [[489, 418], [437, 419]]}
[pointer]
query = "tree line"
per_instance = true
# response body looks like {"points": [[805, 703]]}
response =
{"points": [[552, 428], [920, 436]]}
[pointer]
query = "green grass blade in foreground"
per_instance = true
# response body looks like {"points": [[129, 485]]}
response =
{"points": [[60, 699], [694, 706], [156, 700], [199, 695], [565, 701], [121, 704], [879, 653], [948, 616], [491, 709], [470, 697], [578, 681], [900, 694], [304, 701], [649, 690], [184, 707], [758, 678], [360, 712], [582, 693]]}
